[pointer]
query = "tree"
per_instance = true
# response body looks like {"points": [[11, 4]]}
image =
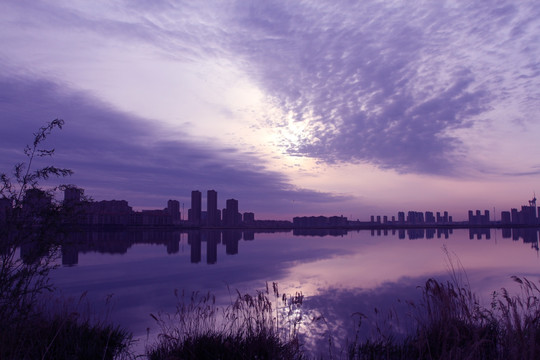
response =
{"points": [[30, 222]]}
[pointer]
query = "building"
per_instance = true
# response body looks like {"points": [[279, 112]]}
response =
{"points": [[211, 208], [173, 209], [195, 211], [506, 217], [249, 218], [231, 216], [415, 217], [479, 219]]}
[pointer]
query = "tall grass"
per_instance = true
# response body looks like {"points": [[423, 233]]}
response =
{"points": [[260, 326], [63, 332], [450, 323]]}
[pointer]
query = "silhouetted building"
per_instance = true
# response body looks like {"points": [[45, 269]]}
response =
{"points": [[211, 208], [109, 212], [479, 219], [430, 219], [154, 217], [337, 221], [528, 215], [195, 212], [415, 217], [249, 218], [506, 218], [515, 216], [401, 217], [173, 209], [231, 216]]}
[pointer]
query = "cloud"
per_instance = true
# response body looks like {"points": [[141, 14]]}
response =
{"points": [[119, 155], [386, 83]]}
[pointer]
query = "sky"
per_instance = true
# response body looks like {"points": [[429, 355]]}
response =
{"points": [[351, 108]]}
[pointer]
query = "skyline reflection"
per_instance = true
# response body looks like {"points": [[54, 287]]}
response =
{"points": [[119, 242], [339, 275]]}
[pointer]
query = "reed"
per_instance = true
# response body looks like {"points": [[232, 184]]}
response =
{"points": [[260, 326], [450, 323]]}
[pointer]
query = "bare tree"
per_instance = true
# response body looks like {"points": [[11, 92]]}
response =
{"points": [[30, 222]]}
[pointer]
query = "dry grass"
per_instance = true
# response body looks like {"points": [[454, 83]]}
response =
{"points": [[451, 324], [260, 326]]}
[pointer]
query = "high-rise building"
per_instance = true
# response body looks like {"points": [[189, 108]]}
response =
{"points": [[173, 209], [195, 213], [231, 215], [211, 208]]}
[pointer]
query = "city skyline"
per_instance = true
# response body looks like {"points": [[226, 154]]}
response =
{"points": [[118, 212], [311, 108]]}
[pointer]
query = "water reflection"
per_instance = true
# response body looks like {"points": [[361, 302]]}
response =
{"points": [[339, 272], [119, 242]]}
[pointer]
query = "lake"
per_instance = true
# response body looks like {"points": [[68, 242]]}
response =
{"points": [[339, 273]]}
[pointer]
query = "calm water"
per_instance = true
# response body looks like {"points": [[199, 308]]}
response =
{"points": [[339, 274]]}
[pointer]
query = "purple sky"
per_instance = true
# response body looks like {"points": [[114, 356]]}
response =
{"points": [[304, 107]]}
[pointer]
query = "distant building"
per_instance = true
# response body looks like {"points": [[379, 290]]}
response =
{"points": [[195, 213], [108, 212], [211, 208], [478, 218], [430, 218], [231, 216], [155, 217], [415, 217], [173, 209], [249, 218], [506, 218], [528, 215]]}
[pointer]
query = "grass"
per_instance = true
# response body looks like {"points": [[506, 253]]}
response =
{"points": [[450, 323], [62, 334], [251, 327]]}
